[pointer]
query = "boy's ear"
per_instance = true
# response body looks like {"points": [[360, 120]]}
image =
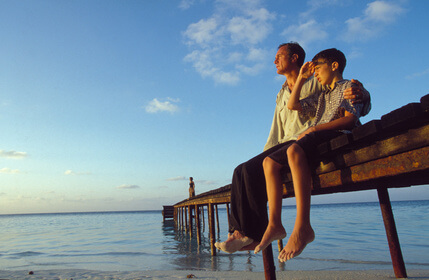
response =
{"points": [[334, 66]]}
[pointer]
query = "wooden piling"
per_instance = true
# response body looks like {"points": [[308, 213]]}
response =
{"points": [[269, 267], [217, 219], [190, 220], [197, 224], [391, 233], [212, 228]]}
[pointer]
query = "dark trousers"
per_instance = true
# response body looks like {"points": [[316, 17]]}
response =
{"points": [[248, 190], [249, 196]]}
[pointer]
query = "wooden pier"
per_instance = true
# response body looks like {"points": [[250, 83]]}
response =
{"points": [[392, 152]]}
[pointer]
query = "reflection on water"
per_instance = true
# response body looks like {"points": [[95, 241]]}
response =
{"points": [[189, 255]]}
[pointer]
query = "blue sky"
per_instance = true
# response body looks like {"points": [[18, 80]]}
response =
{"points": [[112, 105]]}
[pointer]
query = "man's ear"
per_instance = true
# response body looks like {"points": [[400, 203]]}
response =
{"points": [[294, 58]]}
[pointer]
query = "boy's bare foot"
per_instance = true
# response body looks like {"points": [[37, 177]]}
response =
{"points": [[234, 243], [296, 243], [271, 233]]}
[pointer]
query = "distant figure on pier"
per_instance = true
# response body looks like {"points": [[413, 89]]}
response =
{"points": [[191, 187]]}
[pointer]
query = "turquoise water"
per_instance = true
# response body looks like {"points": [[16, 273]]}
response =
{"points": [[348, 237]]}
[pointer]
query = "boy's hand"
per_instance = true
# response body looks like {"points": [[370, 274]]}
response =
{"points": [[307, 70], [309, 130], [354, 92]]}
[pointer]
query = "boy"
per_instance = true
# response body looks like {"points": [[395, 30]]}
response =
{"points": [[334, 115]]}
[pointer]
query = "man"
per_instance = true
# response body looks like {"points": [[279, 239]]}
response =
{"points": [[249, 218]]}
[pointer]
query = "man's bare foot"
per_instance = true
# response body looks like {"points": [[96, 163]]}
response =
{"points": [[296, 243], [271, 233], [250, 247], [234, 243]]}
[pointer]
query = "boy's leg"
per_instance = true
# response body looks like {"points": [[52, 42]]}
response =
{"points": [[273, 179], [302, 233]]}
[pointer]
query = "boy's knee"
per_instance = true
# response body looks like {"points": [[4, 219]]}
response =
{"points": [[269, 164], [294, 151]]}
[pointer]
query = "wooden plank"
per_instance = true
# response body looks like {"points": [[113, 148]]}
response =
{"points": [[369, 174], [413, 139], [402, 118], [367, 131]]}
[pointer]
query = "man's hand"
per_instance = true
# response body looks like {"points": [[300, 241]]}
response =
{"points": [[354, 92]]}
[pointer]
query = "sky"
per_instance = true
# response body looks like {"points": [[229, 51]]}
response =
{"points": [[112, 105]]}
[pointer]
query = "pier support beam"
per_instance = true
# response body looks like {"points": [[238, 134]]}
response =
{"points": [[197, 223], [269, 267], [392, 234], [212, 229]]}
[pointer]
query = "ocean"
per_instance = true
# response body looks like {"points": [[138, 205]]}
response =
{"points": [[348, 237]]}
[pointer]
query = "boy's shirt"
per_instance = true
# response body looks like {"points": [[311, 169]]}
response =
{"points": [[331, 105]]}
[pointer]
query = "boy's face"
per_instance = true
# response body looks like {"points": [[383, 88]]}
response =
{"points": [[323, 72]]}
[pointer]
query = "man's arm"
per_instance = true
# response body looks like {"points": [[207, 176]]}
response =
{"points": [[358, 94], [305, 72]]}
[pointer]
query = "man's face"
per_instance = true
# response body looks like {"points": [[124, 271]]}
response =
{"points": [[283, 61], [323, 71]]}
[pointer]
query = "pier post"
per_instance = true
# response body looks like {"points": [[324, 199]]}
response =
{"points": [[217, 219], [190, 220], [212, 228], [186, 219], [227, 212], [204, 222], [197, 223], [392, 234], [269, 267]]}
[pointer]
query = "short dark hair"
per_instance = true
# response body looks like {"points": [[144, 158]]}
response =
{"points": [[332, 55], [295, 48]]}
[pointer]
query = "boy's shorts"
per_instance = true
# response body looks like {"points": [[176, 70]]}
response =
{"points": [[308, 143]]}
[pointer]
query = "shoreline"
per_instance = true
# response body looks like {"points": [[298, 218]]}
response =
{"points": [[198, 274]]}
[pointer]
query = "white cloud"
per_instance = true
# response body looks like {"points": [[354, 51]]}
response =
{"points": [[156, 106], [186, 4], [305, 33], [128, 187], [73, 173], [375, 18], [178, 178], [13, 154], [418, 74], [7, 170], [220, 43]]}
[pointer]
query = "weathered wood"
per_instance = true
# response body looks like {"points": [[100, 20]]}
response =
{"points": [[217, 219], [391, 233], [269, 267], [212, 229], [190, 220], [197, 224]]}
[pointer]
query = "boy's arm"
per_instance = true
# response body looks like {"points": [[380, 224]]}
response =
{"points": [[304, 73], [344, 123]]}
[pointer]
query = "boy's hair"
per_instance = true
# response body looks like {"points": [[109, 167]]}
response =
{"points": [[332, 55], [295, 48]]}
